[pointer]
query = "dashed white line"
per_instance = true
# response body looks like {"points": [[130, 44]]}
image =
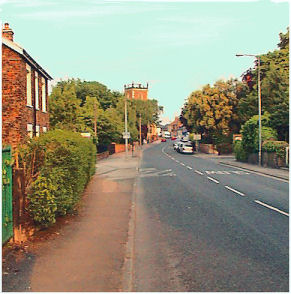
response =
{"points": [[235, 191], [271, 207], [213, 180], [189, 167], [199, 172]]}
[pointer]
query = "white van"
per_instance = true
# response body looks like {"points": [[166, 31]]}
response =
{"points": [[167, 135]]}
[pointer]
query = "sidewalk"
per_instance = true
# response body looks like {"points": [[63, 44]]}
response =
{"points": [[282, 173], [88, 253]]}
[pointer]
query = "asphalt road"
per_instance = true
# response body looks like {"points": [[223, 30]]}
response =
{"points": [[201, 226]]}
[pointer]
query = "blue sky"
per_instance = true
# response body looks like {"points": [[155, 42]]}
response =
{"points": [[176, 46]]}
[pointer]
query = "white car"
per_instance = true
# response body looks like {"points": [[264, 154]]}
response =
{"points": [[185, 147], [175, 145]]}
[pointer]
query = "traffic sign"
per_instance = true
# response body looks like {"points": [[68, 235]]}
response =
{"points": [[126, 135]]}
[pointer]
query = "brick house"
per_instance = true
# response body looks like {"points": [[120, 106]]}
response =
{"points": [[174, 126], [24, 93]]}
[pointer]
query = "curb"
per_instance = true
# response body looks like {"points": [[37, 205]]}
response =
{"points": [[253, 170], [128, 272]]}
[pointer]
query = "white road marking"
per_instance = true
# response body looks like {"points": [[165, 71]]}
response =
{"points": [[257, 173], [198, 172], [235, 191], [213, 180], [182, 164], [271, 207], [224, 172], [189, 167]]}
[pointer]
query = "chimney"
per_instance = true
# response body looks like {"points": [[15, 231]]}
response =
{"points": [[7, 32]]}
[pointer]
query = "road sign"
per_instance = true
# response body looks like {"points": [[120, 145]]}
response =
{"points": [[126, 135]]}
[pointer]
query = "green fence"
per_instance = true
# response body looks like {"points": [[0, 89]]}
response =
{"points": [[7, 220]]}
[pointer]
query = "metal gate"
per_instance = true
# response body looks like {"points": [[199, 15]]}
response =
{"points": [[7, 221]]}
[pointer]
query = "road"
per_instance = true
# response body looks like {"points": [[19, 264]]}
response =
{"points": [[202, 226]]}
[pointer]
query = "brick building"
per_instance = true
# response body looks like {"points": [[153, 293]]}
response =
{"points": [[136, 91], [174, 126], [24, 93]]}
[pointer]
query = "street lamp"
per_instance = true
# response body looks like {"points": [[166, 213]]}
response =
{"points": [[259, 103]]}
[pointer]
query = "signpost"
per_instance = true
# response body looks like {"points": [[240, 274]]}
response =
{"points": [[126, 135]]}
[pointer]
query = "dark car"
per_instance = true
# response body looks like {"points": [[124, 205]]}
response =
{"points": [[163, 140]]}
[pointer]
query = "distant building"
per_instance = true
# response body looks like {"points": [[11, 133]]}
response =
{"points": [[174, 126], [136, 91], [24, 93]]}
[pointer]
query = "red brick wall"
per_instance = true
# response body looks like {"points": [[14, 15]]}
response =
{"points": [[139, 94], [15, 113]]}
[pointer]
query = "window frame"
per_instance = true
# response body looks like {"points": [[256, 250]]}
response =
{"points": [[28, 86]]}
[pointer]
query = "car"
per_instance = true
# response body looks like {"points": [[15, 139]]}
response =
{"points": [[163, 140], [173, 138], [175, 145], [185, 147]]}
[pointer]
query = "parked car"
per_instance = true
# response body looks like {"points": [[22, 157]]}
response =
{"points": [[163, 140], [173, 138], [185, 147], [175, 145]]}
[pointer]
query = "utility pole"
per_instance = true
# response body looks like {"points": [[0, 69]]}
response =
{"points": [[95, 120], [139, 129], [259, 103], [125, 122], [260, 111]]}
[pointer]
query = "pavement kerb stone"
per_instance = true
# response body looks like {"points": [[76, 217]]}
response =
{"points": [[258, 170], [128, 272]]}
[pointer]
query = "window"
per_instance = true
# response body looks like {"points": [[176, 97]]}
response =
{"points": [[43, 95], [44, 129], [132, 94], [37, 131], [28, 85], [36, 90], [29, 130]]}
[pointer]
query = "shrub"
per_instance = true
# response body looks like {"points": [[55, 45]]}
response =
{"points": [[240, 153], [276, 146], [250, 131], [59, 164], [224, 148], [42, 203]]}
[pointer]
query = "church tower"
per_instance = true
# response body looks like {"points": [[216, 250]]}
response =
{"points": [[136, 91]]}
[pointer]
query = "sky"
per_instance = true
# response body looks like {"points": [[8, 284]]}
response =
{"points": [[175, 46]]}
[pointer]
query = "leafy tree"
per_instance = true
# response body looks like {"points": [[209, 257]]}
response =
{"points": [[212, 110], [72, 106], [274, 89], [65, 111]]}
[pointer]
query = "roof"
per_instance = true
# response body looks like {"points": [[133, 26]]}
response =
{"points": [[17, 48]]}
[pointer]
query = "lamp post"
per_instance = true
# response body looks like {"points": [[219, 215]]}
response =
{"points": [[259, 103]]}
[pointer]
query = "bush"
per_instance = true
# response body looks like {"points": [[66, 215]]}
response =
{"points": [[250, 131], [224, 148], [240, 153], [60, 164], [276, 146]]}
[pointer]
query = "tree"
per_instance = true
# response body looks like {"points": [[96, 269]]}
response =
{"points": [[274, 89], [65, 110], [212, 110]]}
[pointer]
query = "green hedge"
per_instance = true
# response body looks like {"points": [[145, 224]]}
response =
{"points": [[275, 146], [60, 163], [240, 153]]}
